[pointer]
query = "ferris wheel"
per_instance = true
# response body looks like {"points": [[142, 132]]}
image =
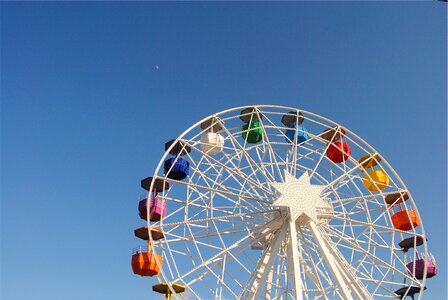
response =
{"points": [[271, 202]]}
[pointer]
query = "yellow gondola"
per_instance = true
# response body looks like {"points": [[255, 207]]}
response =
{"points": [[376, 181]]}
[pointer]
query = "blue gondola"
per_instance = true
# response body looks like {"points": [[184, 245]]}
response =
{"points": [[177, 168], [302, 134]]}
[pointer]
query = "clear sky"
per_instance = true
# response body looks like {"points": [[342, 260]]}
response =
{"points": [[91, 91]]}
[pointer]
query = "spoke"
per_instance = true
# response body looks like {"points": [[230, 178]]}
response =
{"points": [[244, 215], [224, 192], [271, 151], [248, 157], [236, 246], [347, 173], [372, 256], [233, 171]]}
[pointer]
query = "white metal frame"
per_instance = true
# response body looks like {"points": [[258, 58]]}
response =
{"points": [[225, 206]]}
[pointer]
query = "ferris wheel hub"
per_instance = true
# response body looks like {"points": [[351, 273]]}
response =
{"points": [[301, 197]]}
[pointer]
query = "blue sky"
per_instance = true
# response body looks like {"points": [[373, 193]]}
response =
{"points": [[85, 113]]}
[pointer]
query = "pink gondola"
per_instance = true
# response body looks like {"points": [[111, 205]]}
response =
{"points": [[157, 208], [417, 267]]}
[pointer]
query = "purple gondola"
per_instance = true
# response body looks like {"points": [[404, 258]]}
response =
{"points": [[157, 208], [417, 267]]}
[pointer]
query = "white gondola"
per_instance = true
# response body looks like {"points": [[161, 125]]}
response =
{"points": [[211, 141]]}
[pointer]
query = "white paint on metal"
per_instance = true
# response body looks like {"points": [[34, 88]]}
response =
{"points": [[300, 196], [252, 169], [294, 267], [330, 261]]}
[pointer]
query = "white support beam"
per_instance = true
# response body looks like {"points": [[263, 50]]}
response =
{"points": [[358, 289], [294, 265], [329, 258], [263, 272], [252, 285], [269, 284]]}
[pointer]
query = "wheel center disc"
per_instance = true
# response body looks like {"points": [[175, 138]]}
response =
{"points": [[300, 196]]}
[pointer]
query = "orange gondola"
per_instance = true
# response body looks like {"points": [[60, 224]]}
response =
{"points": [[144, 263], [405, 219]]}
